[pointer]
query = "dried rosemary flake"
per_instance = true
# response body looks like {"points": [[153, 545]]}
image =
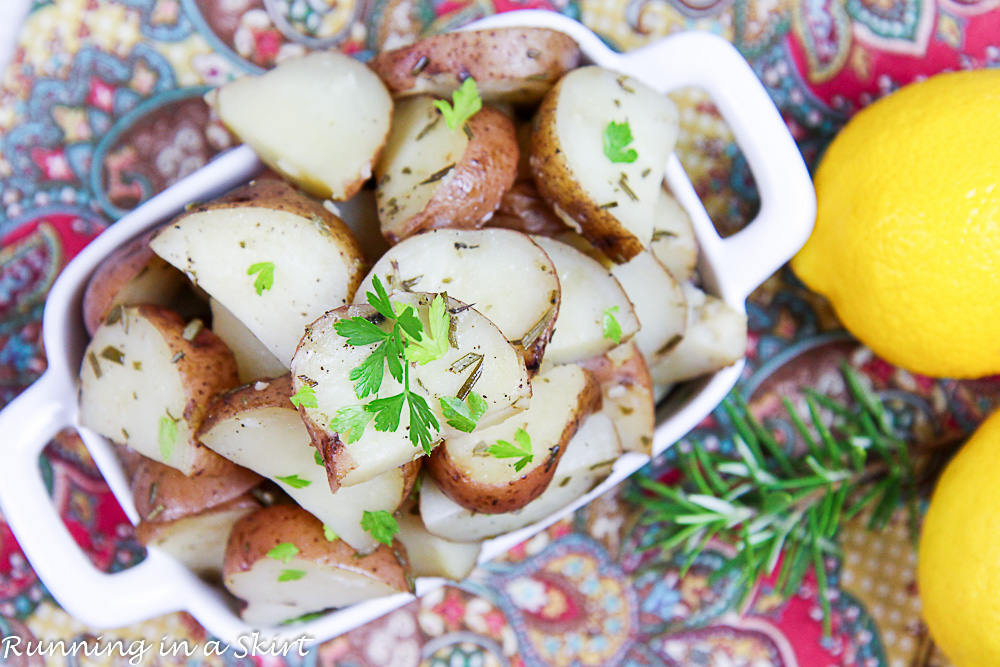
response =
{"points": [[192, 329], [94, 364], [536, 77], [308, 380], [534, 54], [610, 204], [437, 175], [645, 172], [660, 234], [466, 361], [670, 344], [419, 66], [534, 332], [113, 354], [114, 315], [177, 357], [410, 282], [137, 365], [623, 182], [470, 382], [467, 130], [427, 128], [623, 86], [155, 512]]}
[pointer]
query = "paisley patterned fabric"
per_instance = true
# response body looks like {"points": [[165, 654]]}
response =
{"points": [[101, 108]]}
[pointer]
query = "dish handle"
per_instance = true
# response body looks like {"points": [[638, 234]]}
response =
{"points": [[787, 213], [94, 597]]}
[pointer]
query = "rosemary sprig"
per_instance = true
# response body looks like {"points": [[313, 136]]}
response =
{"points": [[779, 505]]}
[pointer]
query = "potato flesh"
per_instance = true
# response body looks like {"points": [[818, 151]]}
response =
{"points": [[271, 602], [199, 541], [128, 400], [320, 120], [588, 459], [432, 556], [326, 359], [273, 442], [674, 242], [589, 99], [216, 249], [554, 404], [657, 299], [716, 337], [503, 274], [588, 291], [419, 148], [253, 358]]}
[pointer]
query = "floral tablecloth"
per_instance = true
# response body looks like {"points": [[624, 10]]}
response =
{"points": [[101, 107]]}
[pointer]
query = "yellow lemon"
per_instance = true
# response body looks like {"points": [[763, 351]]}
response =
{"points": [[959, 565], [907, 238]]}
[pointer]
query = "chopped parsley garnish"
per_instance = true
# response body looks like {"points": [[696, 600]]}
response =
{"points": [[466, 103], [463, 415], [284, 552], [617, 136], [318, 458], [305, 397], [329, 533], [381, 525], [294, 481], [291, 575], [167, 436], [612, 329], [521, 451], [265, 276], [407, 342]]}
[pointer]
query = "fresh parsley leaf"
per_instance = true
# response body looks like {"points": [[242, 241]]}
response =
{"points": [[359, 331], [422, 420], [466, 103], [380, 299], [434, 343], [350, 422], [305, 397], [311, 616], [521, 451], [394, 350], [291, 575], [463, 415], [368, 375], [294, 481], [612, 330], [381, 525], [387, 412], [318, 458], [409, 322], [284, 552], [329, 534], [616, 137], [167, 436], [265, 276]]}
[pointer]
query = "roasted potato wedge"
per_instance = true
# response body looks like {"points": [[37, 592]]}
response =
{"points": [[324, 362], [253, 359], [627, 392], [431, 176], [319, 120], [465, 470], [516, 65], [657, 300], [589, 295], [280, 564], [674, 242], [131, 275], [273, 257], [258, 427], [162, 494], [584, 166], [198, 540], [433, 556], [503, 274], [523, 209], [594, 450], [146, 380], [716, 336]]}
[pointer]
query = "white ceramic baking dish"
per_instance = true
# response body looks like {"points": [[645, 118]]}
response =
{"points": [[730, 268]]}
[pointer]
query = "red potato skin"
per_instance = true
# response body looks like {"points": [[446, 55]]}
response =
{"points": [[523, 210], [531, 59], [480, 178], [489, 498], [147, 532], [163, 494], [256, 534]]}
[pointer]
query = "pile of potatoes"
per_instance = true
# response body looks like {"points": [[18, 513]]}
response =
{"points": [[568, 280]]}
